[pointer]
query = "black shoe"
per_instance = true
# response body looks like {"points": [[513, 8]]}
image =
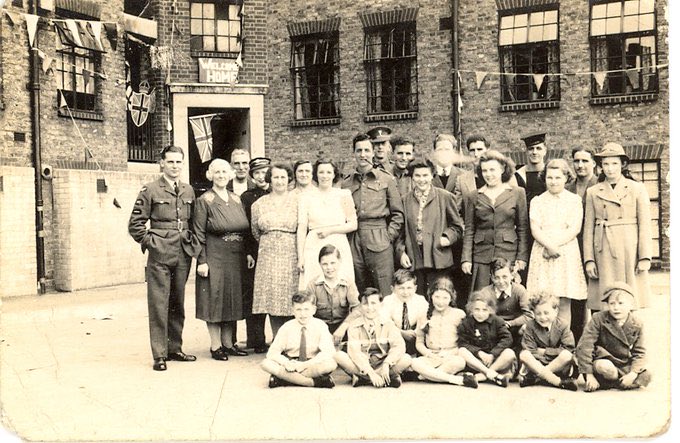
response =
{"points": [[159, 364], [275, 382], [235, 351], [527, 380], [501, 380], [219, 354], [409, 376], [569, 384], [324, 381], [180, 356], [395, 381], [469, 380], [360, 381], [261, 349]]}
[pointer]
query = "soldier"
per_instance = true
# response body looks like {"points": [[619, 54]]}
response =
{"points": [[382, 149], [167, 204], [528, 176], [403, 154], [380, 216]]}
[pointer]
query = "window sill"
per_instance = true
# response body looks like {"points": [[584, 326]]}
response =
{"points": [[405, 115], [82, 115], [530, 106], [214, 54], [632, 98], [315, 122]]}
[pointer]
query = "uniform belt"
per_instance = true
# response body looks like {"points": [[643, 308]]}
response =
{"points": [[372, 223], [233, 236], [178, 225], [602, 228]]}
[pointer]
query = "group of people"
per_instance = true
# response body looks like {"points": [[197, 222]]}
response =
{"points": [[302, 242]]}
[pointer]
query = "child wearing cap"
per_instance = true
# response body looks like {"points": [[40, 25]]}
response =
{"points": [[376, 353], [302, 351], [611, 352]]}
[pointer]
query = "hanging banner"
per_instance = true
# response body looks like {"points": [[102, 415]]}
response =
{"points": [[217, 70], [31, 27], [203, 135]]}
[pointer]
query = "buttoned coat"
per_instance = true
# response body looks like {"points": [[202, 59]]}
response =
{"points": [[616, 235], [440, 218], [496, 230], [464, 188], [454, 173], [387, 337], [603, 338], [169, 216], [559, 338]]}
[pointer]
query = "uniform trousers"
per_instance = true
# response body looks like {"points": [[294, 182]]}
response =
{"points": [[371, 269], [165, 298]]}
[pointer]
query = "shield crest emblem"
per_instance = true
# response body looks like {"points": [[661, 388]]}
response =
{"points": [[141, 103]]}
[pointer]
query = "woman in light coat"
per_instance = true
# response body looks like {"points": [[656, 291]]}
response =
{"points": [[617, 240]]}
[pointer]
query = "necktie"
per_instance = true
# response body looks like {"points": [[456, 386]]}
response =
{"points": [[405, 324], [503, 296], [303, 344], [176, 189]]}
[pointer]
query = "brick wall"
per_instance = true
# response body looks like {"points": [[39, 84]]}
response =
{"points": [[575, 121], [17, 236], [93, 247], [285, 142]]}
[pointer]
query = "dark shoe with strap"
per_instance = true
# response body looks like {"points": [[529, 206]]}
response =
{"points": [[324, 381], [569, 384], [180, 356], [219, 354], [275, 382], [527, 380], [469, 380], [159, 364], [235, 351], [360, 381], [395, 381]]}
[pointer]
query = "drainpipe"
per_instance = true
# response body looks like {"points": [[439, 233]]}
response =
{"points": [[34, 87], [454, 62]]}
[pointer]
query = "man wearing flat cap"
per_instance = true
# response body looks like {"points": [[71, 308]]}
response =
{"points": [[382, 149], [254, 322]]}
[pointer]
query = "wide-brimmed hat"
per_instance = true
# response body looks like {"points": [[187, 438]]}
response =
{"points": [[617, 285], [379, 134], [612, 150], [258, 163]]}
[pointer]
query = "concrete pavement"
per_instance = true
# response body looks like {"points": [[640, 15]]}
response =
{"points": [[77, 366]]}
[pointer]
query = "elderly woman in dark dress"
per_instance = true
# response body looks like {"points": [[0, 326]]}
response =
{"points": [[220, 224]]}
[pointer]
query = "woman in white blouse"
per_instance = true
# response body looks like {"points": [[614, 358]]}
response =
{"points": [[555, 218]]}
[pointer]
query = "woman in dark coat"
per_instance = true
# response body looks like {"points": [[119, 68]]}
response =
{"points": [[221, 226], [432, 225], [496, 221]]}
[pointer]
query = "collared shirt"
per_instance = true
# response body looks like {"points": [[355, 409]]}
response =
{"points": [[485, 190], [393, 309], [444, 171], [286, 344], [171, 182], [385, 343], [333, 303]]}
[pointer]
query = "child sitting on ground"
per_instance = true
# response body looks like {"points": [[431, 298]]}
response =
{"points": [[376, 353], [547, 345], [334, 295], [404, 307], [437, 339], [611, 351], [484, 341], [302, 351]]}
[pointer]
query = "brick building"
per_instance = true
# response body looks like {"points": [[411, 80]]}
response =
{"points": [[297, 79]]}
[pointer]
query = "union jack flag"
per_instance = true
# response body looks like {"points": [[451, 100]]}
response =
{"points": [[203, 135]]}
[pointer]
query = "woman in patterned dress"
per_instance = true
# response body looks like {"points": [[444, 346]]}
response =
{"points": [[555, 217], [274, 224]]}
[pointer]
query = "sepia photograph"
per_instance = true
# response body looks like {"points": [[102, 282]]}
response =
{"points": [[315, 220]]}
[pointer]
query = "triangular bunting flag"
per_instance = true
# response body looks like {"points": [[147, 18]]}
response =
{"points": [[538, 79], [13, 18], [480, 77], [565, 77], [97, 31], [239, 61], [31, 27], [460, 99], [112, 34], [86, 77], [600, 78], [75, 32], [169, 127], [62, 101], [46, 62], [203, 135], [633, 77]]}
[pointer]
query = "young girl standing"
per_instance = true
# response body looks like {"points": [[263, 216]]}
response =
{"points": [[485, 341], [437, 339]]}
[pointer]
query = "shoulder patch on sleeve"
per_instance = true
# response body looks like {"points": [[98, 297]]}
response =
{"points": [[137, 211]]}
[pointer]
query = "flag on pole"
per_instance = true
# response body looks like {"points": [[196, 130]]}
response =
{"points": [[31, 27], [203, 135]]}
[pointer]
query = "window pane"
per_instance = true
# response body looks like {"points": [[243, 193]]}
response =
{"points": [[208, 10], [550, 32], [597, 27], [635, 169], [221, 12], [506, 22], [505, 37], [234, 29], [630, 23], [196, 26], [521, 20], [536, 18], [614, 9], [551, 16], [196, 10], [222, 27], [646, 22], [223, 44], [614, 25], [208, 27], [631, 7], [646, 6], [536, 33], [233, 12], [519, 36], [599, 11], [652, 189], [209, 43]]}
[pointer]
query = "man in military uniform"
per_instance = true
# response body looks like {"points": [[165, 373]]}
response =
{"points": [[528, 176], [380, 215], [167, 204], [382, 149], [403, 154]]}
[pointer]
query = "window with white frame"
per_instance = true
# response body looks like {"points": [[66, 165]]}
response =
{"points": [[528, 46], [623, 48], [216, 27]]}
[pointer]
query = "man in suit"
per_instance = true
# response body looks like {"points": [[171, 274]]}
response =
{"points": [[240, 160], [468, 182], [382, 149], [167, 203]]}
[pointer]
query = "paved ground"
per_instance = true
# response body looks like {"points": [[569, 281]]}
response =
{"points": [[77, 366]]}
